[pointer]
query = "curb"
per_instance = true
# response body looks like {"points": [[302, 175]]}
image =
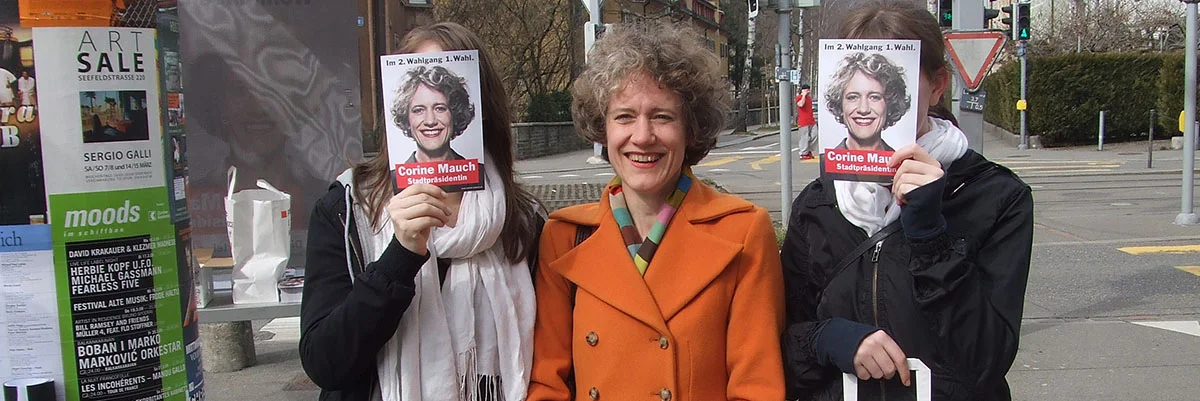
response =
{"points": [[748, 139], [1110, 173], [566, 169]]}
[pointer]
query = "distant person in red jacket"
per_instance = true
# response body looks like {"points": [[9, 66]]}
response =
{"points": [[808, 125]]}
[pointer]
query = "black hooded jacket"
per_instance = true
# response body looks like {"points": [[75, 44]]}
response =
{"points": [[950, 294]]}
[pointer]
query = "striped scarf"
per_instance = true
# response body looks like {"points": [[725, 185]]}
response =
{"points": [[642, 251]]}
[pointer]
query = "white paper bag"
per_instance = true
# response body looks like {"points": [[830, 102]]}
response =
{"points": [[922, 378], [260, 224]]}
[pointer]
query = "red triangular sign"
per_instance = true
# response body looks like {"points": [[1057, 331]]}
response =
{"points": [[973, 54]]}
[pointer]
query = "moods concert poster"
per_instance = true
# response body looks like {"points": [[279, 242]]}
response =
{"points": [[435, 119], [868, 91]]}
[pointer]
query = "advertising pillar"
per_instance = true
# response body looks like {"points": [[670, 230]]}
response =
{"points": [[97, 263]]}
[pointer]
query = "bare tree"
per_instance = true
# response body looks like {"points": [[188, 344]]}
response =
{"points": [[531, 41], [1101, 26]]}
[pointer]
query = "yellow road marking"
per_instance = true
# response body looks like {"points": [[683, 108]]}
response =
{"points": [[1190, 269], [757, 164], [1173, 249], [723, 160]]}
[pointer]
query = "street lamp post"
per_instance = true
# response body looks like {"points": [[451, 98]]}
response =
{"points": [[593, 9], [1186, 215], [786, 103]]}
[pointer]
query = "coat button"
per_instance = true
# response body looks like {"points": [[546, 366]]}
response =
{"points": [[663, 342], [592, 338], [664, 395], [594, 393]]}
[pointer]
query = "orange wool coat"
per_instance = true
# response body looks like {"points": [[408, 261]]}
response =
{"points": [[703, 324]]}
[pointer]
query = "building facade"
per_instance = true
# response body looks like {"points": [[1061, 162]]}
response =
{"points": [[706, 16]]}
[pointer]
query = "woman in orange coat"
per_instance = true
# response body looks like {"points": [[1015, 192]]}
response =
{"points": [[665, 288]]}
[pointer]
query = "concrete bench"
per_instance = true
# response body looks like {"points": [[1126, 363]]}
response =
{"points": [[225, 327]]}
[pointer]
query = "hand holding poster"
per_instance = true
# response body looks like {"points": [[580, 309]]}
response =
{"points": [[870, 91], [431, 101]]}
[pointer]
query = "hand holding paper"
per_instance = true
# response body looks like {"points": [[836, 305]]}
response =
{"points": [[414, 212], [879, 357], [914, 168]]}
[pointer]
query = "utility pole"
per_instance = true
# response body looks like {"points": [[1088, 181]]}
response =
{"points": [[1023, 52], [589, 37], [1019, 30], [967, 16], [785, 107], [1186, 215], [748, 66]]}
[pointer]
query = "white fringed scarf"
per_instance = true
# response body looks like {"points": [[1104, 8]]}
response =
{"points": [[476, 328], [872, 206]]}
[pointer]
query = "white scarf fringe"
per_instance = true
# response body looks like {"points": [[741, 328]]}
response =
{"points": [[872, 206]]}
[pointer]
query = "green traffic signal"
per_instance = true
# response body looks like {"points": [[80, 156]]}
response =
{"points": [[946, 13], [1022, 21]]}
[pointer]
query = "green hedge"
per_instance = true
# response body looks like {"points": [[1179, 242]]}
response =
{"points": [[1066, 93], [1170, 100], [553, 106]]}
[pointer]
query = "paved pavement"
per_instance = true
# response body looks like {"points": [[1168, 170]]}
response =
{"points": [[1113, 305]]}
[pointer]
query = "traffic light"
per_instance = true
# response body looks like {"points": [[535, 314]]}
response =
{"points": [[1010, 21], [989, 14], [753, 8], [1022, 27], [946, 13]]}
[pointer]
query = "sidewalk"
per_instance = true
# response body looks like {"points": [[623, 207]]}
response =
{"points": [[577, 160], [278, 376]]}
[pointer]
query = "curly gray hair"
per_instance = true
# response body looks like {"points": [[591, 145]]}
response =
{"points": [[673, 56], [878, 68]]}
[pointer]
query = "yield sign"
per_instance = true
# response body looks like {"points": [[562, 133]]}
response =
{"points": [[973, 54]]}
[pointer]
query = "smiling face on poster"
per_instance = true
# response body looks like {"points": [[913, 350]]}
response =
{"points": [[435, 130], [869, 89]]}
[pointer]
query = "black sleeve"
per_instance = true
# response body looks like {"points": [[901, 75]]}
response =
{"points": [[802, 371], [974, 293], [344, 324]]}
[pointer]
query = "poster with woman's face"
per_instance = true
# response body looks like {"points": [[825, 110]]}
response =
{"points": [[867, 91], [434, 119]]}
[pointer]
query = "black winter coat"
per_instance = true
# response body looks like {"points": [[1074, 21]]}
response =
{"points": [[953, 300], [344, 324]]}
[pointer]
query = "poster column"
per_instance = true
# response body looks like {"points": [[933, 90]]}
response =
{"points": [[115, 244]]}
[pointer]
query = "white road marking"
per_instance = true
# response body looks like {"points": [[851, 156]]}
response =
{"points": [[1189, 327]]}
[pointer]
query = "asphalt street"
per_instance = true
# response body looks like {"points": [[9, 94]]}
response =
{"points": [[1112, 309]]}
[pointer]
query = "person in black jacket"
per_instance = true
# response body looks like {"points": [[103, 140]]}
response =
{"points": [[933, 267], [424, 294]]}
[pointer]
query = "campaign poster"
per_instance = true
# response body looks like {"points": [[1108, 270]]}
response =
{"points": [[435, 119], [116, 255], [868, 90]]}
